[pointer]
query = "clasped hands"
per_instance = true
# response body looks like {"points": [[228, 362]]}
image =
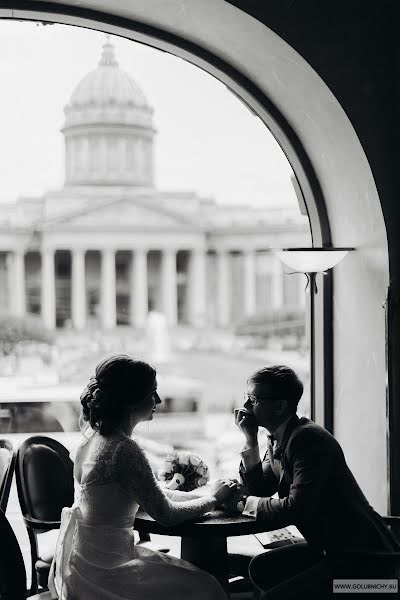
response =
{"points": [[228, 492]]}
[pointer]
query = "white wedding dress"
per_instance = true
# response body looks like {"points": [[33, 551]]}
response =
{"points": [[96, 557]]}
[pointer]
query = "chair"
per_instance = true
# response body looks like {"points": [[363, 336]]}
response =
{"points": [[45, 484], [7, 465], [44, 476], [12, 568]]}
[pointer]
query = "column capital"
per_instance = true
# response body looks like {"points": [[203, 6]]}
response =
{"points": [[199, 249], [48, 250], [19, 251], [249, 251], [78, 250], [222, 251]]}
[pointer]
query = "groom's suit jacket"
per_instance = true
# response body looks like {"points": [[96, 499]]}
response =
{"points": [[317, 493]]}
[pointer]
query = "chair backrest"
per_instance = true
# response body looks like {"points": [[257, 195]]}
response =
{"points": [[44, 476], [12, 568], [7, 464]]}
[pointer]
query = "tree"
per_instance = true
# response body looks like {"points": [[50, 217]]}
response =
{"points": [[274, 322], [14, 331]]}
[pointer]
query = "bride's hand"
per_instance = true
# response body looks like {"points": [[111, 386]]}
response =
{"points": [[217, 484]]}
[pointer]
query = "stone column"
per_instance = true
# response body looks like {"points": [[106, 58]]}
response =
{"points": [[108, 289], [197, 287], [67, 160], [168, 286], [17, 295], [10, 281], [85, 155], [48, 289], [223, 288], [249, 288], [277, 284], [139, 289], [78, 289], [103, 156]]}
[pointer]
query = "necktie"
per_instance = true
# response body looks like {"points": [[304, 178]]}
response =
{"points": [[275, 466]]}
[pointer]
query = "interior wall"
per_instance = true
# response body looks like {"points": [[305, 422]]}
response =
{"points": [[354, 46], [349, 190]]}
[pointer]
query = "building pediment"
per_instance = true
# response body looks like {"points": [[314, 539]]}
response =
{"points": [[122, 214]]}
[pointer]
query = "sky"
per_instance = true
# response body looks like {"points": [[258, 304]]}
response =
{"points": [[207, 140]]}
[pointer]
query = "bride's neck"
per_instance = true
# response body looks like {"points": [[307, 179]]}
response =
{"points": [[126, 428]]}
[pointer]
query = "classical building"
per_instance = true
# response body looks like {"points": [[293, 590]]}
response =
{"points": [[108, 247]]}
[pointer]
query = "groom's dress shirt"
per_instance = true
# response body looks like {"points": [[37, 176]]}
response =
{"points": [[316, 492], [251, 456]]}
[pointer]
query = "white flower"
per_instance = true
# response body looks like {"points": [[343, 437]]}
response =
{"points": [[194, 460], [184, 458], [171, 457]]}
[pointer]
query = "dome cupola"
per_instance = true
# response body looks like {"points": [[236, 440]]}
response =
{"points": [[108, 128]]}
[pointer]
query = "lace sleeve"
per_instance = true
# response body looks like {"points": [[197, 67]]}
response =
{"points": [[133, 473], [178, 496]]}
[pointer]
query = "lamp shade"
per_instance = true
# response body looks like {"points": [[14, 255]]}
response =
{"points": [[311, 260]]}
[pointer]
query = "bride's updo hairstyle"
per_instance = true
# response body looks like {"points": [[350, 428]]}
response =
{"points": [[120, 383]]}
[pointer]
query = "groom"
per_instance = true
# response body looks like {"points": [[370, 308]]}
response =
{"points": [[316, 490]]}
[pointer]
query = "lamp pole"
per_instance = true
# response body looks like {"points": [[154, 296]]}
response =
{"points": [[312, 261], [311, 277]]}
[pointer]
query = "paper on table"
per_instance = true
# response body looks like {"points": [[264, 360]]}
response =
{"points": [[289, 534]]}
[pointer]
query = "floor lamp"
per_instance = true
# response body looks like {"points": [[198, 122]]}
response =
{"points": [[312, 261]]}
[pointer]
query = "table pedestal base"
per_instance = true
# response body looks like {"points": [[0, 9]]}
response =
{"points": [[209, 555]]}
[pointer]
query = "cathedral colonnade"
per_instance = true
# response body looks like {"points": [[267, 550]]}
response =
{"points": [[200, 285]]}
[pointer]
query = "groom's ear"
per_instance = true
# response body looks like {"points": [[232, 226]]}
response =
{"points": [[281, 407]]}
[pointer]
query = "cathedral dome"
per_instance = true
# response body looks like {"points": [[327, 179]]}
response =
{"points": [[107, 85], [108, 94], [108, 128]]}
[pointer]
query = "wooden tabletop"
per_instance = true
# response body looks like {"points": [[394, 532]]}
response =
{"points": [[214, 524]]}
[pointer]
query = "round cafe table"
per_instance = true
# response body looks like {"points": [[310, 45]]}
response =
{"points": [[203, 542]]}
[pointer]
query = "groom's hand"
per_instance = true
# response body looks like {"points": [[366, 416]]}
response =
{"points": [[237, 494], [247, 424], [221, 489], [227, 492]]}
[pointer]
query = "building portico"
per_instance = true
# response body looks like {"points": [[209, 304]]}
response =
{"points": [[71, 270]]}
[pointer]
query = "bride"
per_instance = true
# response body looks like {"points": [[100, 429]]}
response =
{"points": [[96, 557]]}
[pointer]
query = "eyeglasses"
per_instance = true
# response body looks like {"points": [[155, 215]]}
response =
{"points": [[254, 399]]}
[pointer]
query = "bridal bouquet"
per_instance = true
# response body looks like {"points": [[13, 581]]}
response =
{"points": [[184, 470]]}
